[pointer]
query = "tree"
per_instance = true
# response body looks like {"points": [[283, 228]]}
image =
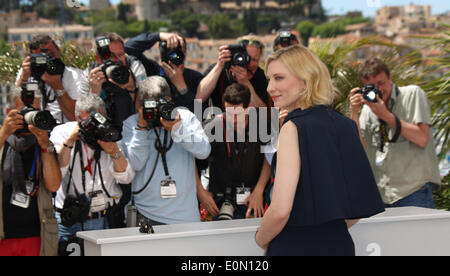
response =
{"points": [[187, 22], [326, 30], [122, 12], [250, 21], [305, 28], [221, 26]]}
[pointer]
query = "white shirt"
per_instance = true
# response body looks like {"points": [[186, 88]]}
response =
{"points": [[93, 182], [71, 83]]}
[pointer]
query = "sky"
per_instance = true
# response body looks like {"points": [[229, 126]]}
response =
{"points": [[368, 7]]}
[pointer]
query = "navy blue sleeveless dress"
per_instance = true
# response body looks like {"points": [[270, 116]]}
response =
{"points": [[336, 183]]}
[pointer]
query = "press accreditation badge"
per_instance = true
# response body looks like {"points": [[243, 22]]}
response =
{"points": [[241, 195], [168, 188], [380, 157], [21, 200]]}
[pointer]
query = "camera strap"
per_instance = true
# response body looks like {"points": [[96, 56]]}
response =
{"points": [[79, 151], [163, 148], [384, 137], [97, 155]]}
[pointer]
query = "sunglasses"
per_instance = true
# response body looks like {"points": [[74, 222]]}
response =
{"points": [[247, 42]]}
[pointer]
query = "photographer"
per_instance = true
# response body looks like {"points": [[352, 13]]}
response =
{"points": [[125, 73], [183, 81], [238, 163], [219, 76], [91, 161], [394, 125], [284, 39], [162, 146], [29, 175], [60, 82]]}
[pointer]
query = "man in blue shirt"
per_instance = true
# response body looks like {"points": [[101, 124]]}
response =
{"points": [[164, 188]]}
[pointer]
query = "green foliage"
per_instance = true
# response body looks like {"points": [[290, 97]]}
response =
{"points": [[305, 28], [326, 30], [10, 62], [74, 56], [222, 26], [185, 22], [442, 194]]}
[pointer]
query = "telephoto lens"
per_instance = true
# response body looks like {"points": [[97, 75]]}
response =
{"points": [[40, 119], [227, 209]]}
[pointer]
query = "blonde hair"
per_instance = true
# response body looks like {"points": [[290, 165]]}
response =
{"points": [[305, 65], [253, 38]]}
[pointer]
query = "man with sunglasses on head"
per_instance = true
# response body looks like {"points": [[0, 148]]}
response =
{"points": [[217, 79], [61, 89]]}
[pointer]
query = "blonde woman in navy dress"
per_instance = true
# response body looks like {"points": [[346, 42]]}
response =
{"points": [[322, 181]]}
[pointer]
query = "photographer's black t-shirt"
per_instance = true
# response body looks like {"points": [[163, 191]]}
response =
{"points": [[234, 164], [259, 82], [20, 222]]}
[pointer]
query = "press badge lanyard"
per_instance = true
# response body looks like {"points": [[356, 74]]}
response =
{"points": [[163, 149], [30, 184], [241, 192], [168, 186]]}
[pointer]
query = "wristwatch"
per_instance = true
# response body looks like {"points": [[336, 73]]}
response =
{"points": [[116, 155], [50, 148], [59, 92]]}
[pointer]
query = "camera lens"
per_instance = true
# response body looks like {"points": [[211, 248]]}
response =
{"points": [[40, 119], [118, 73], [226, 211], [166, 111]]}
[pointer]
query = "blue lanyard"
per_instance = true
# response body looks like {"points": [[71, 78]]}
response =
{"points": [[33, 167]]}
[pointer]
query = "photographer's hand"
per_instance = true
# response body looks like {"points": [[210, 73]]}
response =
{"points": [[96, 79], [142, 123], [356, 100], [129, 86], [175, 73], [240, 74], [41, 136], [111, 148], [224, 56], [171, 125], [13, 122], [26, 71], [66, 149], [51, 171], [255, 204], [379, 109], [54, 81], [172, 40]]}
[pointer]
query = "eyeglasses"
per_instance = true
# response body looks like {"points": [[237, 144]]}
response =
{"points": [[247, 42]]}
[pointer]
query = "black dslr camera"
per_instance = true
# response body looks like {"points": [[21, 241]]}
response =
{"points": [[42, 119], [75, 209], [370, 93], [154, 110], [176, 56], [41, 63], [112, 70], [98, 127], [239, 55]]}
